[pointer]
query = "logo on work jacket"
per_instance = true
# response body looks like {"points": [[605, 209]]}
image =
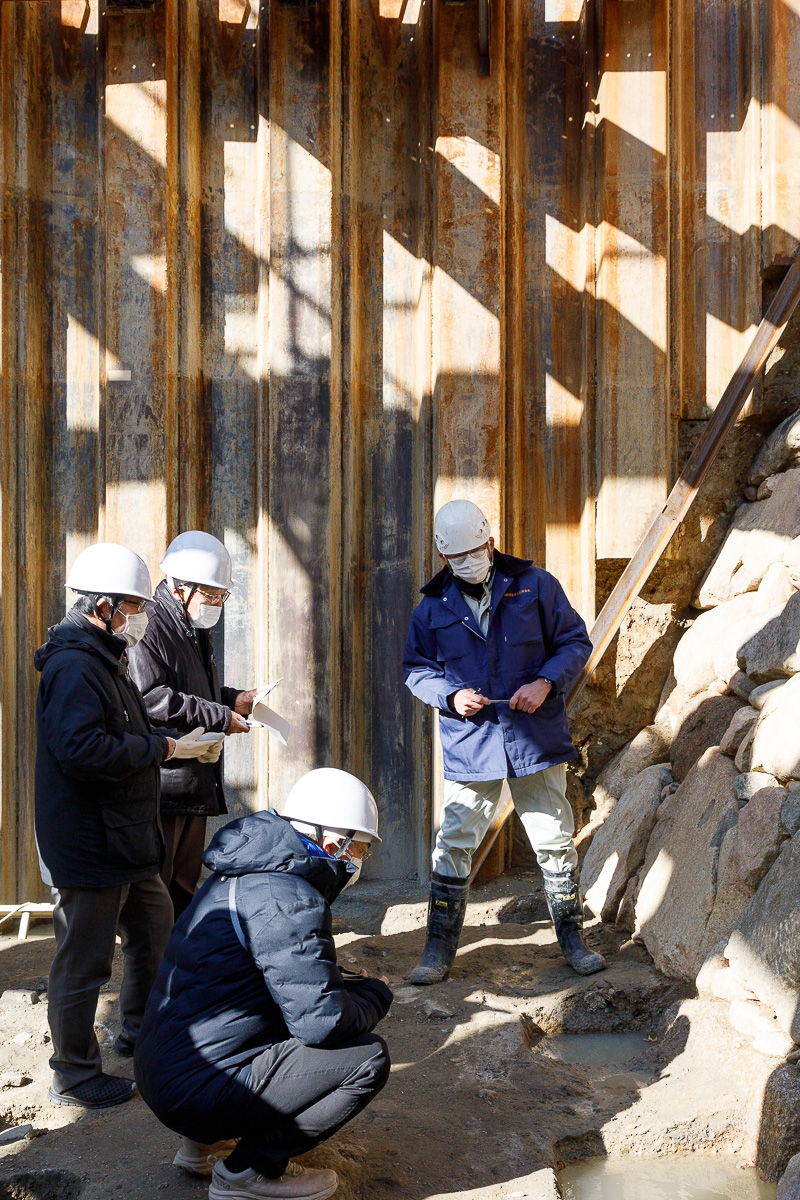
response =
{"points": [[523, 592]]}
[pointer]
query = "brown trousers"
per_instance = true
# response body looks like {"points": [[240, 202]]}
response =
{"points": [[186, 840]]}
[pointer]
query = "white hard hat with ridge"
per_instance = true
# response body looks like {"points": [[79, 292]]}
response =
{"points": [[460, 526], [197, 557], [334, 801], [107, 569]]}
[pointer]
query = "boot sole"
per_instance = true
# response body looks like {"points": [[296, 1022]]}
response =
{"points": [[73, 1102], [428, 982], [233, 1193], [591, 970]]}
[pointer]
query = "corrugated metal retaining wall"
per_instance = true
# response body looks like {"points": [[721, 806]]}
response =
{"points": [[351, 276]]}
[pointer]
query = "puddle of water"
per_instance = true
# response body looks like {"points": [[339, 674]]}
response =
{"points": [[682, 1177], [594, 1048]]}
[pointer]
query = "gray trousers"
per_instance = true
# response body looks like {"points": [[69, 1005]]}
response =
{"points": [[86, 921], [540, 800]]}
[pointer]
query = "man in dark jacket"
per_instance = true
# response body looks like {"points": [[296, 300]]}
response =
{"points": [[97, 829], [494, 645], [176, 671], [251, 1031]]}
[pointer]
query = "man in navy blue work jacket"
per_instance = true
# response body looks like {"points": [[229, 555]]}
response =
{"points": [[494, 645]]}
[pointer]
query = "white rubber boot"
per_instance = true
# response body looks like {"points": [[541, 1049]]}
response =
{"points": [[197, 1158], [296, 1183]]}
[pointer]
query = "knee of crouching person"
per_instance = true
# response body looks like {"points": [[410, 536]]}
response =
{"points": [[379, 1063]]}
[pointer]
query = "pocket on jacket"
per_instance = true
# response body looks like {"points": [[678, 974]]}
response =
{"points": [[451, 641], [521, 625], [133, 838]]}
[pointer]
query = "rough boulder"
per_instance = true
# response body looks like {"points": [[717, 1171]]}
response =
{"points": [[618, 848]]}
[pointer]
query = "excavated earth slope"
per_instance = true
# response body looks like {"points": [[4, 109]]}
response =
{"points": [[471, 1110]]}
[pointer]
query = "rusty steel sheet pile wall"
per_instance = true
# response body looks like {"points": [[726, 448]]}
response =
{"points": [[352, 275]]}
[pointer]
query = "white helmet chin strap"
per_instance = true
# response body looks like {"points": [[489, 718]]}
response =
{"points": [[319, 837]]}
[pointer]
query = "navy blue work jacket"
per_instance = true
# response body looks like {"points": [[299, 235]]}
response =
{"points": [[533, 631]]}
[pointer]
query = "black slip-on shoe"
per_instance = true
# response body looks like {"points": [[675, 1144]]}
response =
{"points": [[104, 1091]]}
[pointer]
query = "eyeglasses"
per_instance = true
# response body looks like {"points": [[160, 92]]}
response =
{"points": [[460, 560], [216, 599], [138, 606]]}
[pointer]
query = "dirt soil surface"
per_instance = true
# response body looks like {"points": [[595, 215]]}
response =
{"points": [[478, 1104]]}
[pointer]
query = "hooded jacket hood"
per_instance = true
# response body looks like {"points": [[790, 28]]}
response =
{"points": [[264, 842], [76, 633]]}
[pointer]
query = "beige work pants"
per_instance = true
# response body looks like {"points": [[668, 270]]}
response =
{"points": [[540, 800]]}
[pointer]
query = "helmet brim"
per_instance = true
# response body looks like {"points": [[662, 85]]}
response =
{"points": [[80, 591]]}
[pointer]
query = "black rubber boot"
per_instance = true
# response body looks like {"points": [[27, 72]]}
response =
{"points": [[446, 911], [561, 890]]}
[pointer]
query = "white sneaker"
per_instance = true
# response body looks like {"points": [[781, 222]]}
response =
{"points": [[297, 1183], [198, 1159]]}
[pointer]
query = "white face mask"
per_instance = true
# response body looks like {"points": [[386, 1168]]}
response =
{"points": [[473, 567], [207, 616], [133, 629], [355, 862]]}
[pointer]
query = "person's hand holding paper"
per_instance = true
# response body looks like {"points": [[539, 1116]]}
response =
{"points": [[266, 717]]}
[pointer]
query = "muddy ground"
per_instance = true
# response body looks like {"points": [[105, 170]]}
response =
{"points": [[470, 1110]]}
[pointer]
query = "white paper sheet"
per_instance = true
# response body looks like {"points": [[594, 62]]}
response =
{"points": [[266, 717]]}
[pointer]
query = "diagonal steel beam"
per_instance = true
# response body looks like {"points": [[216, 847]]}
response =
{"points": [[679, 501]]}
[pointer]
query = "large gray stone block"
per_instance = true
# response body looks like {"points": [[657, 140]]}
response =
{"points": [[748, 851], [775, 747], [618, 847], [758, 537], [789, 1186], [779, 1133], [650, 746], [742, 722], [678, 880], [703, 724], [707, 654], [764, 947], [773, 652], [780, 450]]}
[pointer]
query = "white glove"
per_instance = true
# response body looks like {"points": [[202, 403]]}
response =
{"points": [[213, 750], [189, 747]]}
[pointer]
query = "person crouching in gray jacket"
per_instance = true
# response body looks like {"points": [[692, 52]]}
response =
{"points": [[175, 669]]}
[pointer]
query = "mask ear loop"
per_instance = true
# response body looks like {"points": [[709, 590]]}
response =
{"points": [[345, 846], [115, 603], [186, 603]]}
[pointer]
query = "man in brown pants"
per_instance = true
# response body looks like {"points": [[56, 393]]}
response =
{"points": [[175, 669]]}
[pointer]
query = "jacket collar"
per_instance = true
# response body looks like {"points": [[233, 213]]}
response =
{"points": [[504, 564], [75, 632], [171, 607]]}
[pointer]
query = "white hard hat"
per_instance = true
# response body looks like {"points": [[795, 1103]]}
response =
{"points": [[107, 569], [196, 557], [335, 801], [460, 526]]}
